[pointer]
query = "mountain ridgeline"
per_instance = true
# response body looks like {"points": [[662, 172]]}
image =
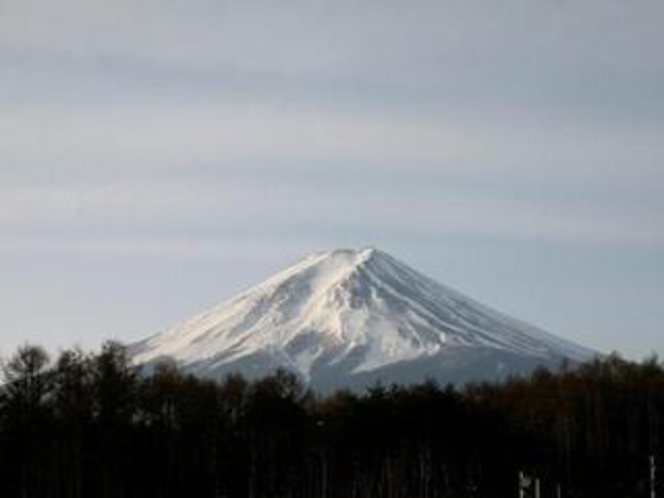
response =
{"points": [[350, 318]]}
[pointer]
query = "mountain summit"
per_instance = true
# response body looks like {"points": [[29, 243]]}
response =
{"points": [[348, 318]]}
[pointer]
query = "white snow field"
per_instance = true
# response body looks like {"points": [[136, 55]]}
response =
{"points": [[348, 318]]}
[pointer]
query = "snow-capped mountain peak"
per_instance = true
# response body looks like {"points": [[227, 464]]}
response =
{"points": [[348, 313]]}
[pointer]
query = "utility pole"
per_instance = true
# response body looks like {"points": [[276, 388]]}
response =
{"points": [[653, 475], [524, 485]]}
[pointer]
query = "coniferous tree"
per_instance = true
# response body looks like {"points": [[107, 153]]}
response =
{"points": [[24, 415]]}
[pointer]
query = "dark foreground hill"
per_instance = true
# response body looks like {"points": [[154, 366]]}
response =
{"points": [[92, 426]]}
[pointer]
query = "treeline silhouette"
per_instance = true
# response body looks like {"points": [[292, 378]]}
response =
{"points": [[91, 425]]}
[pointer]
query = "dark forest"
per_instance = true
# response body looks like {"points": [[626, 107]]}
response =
{"points": [[92, 425]]}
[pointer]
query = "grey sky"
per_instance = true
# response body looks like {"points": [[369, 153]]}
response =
{"points": [[158, 156]]}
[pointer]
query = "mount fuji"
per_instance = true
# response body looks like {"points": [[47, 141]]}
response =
{"points": [[350, 318]]}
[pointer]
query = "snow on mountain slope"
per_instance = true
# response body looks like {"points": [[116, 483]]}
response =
{"points": [[350, 313]]}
